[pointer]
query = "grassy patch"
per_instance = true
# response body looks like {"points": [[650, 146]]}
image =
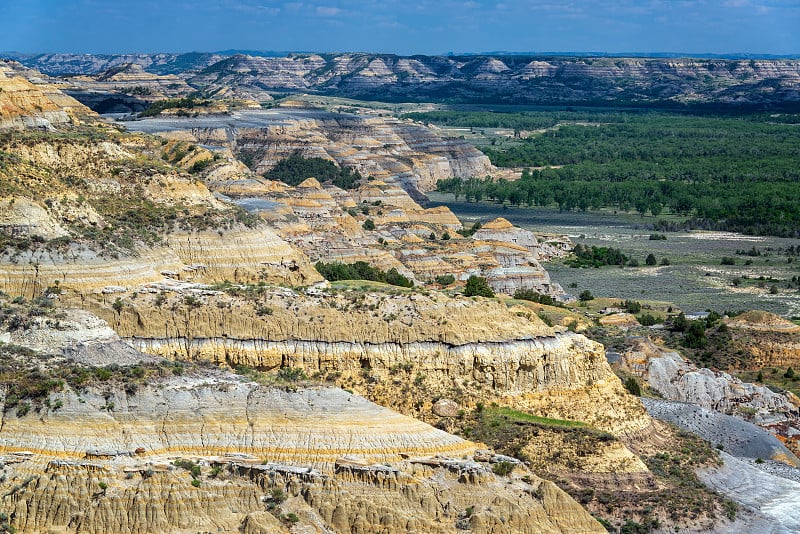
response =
{"points": [[515, 416]]}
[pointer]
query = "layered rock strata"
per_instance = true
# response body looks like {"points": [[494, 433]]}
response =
{"points": [[384, 148], [475, 346], [25, 105], [211, 450]]}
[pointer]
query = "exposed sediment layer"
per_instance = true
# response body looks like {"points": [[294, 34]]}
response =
{"points": [[387, 149], [202, 416]]}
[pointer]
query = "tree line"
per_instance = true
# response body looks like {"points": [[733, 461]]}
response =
{"points": [[737, 174]]}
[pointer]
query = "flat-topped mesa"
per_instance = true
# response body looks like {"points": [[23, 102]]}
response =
{"points": [[501, 230]]}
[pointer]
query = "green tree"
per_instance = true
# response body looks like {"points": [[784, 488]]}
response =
{"points": [[680, 323], [369, 224], [651, 259], [585, 296], [477, 286], [633, 386]]}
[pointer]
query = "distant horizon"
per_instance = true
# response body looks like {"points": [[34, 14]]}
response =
{"points": [[421, 27], [576, 53]]}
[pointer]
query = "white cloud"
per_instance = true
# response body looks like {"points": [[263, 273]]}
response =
{"points": [[327, 11]]}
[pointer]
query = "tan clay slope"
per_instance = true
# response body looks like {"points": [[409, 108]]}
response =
{"points": [[101, 459], [89, 207], [475, 346], [25, 105]]}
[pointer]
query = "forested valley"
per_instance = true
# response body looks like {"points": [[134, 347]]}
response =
{"points": [[727, 172]]}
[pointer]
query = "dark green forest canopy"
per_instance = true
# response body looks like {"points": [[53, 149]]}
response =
{"points": [[294, 169], [739, 173]]}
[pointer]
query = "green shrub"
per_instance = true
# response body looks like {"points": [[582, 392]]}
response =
{"points": [[292, 374], [296, 168], [632, 385], [361, 270], [647, 319], [199, 166], [445, 279], [477, 286], [503, 468]]}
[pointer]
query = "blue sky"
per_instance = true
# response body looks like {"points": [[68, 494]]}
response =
{"points": [[403, 27]]}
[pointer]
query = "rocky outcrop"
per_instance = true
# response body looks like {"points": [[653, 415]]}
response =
{"points": [[676, 379], [501, 230], [383, 148], [24, 105], [181, 453]]}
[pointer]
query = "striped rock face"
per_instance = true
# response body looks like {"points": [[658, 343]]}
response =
{"points": [[210, 449]]}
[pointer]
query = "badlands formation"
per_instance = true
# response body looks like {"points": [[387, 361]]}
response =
{"points": [[98, 437], [174, 362], [469, 79]]}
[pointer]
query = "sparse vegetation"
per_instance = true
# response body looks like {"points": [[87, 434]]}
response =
{"points": [[445, 279]]}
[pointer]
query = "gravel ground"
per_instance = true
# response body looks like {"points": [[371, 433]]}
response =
{"points": [[736, 436]]}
